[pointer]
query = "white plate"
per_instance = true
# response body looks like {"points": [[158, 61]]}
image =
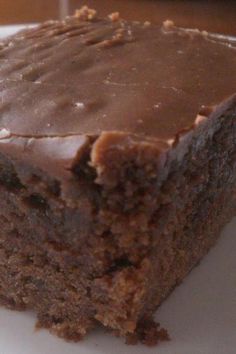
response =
{"points": [[8, 30], [200, 314]]}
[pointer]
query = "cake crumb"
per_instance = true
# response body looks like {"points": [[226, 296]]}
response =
{"points": [[148, 332], [114, 16], [147, 24], [4, 133], [205, 33], [85, 13], [168, 24], [170, 142], [199, 119]]}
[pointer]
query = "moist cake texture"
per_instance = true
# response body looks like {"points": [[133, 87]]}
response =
{"points": [[117, 167]]}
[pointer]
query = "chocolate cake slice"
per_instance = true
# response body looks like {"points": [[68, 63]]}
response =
{"points": [[117, 166]]}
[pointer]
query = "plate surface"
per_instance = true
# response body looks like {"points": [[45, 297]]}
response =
{"points": [[200, 314]]}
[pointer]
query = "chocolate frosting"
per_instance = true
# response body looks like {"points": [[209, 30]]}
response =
{"points": [[88, 76], [85, 77]]}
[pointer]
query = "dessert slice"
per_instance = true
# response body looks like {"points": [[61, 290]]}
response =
{"points": [[117, 167]]}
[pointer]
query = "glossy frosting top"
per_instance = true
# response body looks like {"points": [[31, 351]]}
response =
{"points": [[84, 76]]}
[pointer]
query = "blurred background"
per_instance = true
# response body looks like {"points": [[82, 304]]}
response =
{"points": [[215, 16]]}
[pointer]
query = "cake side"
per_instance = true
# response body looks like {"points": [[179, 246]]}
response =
{"points": [[114, 251]]}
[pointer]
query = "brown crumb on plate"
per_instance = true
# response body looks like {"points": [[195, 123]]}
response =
{"points": [[148, 332]]}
